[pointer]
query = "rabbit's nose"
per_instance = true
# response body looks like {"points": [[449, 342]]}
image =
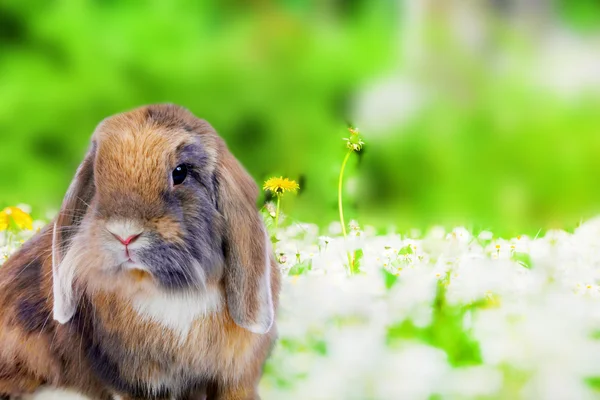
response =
{"points": [[127, 241], [125, 231]]}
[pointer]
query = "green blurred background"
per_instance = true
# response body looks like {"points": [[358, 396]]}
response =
{"points": [[479, 113]]}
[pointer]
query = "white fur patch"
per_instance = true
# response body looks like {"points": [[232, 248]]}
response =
{"points": [[266, 312], [54, 394], [63, 274], [178, 312]]}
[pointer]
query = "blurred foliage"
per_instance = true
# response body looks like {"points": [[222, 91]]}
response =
{"points": [[446, 331], [272, 79], [512, 163], [581, 14], [276, 79]]}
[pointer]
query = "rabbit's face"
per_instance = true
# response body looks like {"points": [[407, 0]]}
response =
{"points": [[154, 211], [159, 203]]}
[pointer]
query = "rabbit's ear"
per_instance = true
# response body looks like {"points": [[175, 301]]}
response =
{"points": [[246, 246], [74, 206]]}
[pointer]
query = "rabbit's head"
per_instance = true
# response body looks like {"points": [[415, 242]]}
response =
{"points": [[160, 204]]}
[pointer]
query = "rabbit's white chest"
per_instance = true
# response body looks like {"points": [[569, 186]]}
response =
{"points": [[177, 312]]}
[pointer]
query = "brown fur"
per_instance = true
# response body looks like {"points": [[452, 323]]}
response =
{"points": [[44, 354], [217, 358]]}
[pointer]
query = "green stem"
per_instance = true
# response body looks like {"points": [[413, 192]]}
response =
{"points": [[9, 237], [341, 207], [277, 212]]}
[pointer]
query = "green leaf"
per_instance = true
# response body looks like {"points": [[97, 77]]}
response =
{"points": [[389, 278], [358, 255], [299, 269], [593, 382], [522, 258], [406, 250], [446, 332]]}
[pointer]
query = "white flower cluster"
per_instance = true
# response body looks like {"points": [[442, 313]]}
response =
{"points": [[454, 316], [441, 315]]}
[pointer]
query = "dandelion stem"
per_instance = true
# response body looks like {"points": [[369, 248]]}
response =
{"points": [[341, 206], [277, 212]]}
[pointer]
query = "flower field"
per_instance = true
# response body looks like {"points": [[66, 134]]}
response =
{"points": [[443, 314]]}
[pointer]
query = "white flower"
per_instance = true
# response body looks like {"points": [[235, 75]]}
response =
{"points": [[485, 235]]}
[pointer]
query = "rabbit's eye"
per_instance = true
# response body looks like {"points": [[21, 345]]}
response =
{"points": [[179, 174]]}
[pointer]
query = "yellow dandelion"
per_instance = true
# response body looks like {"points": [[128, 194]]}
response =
{"points": [[19, 217], [280, 185]]}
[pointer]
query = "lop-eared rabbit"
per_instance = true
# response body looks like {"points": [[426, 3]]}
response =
{"points": [[155, 281]]}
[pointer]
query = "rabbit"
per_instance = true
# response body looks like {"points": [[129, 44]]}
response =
{"points": [[156, 280]]}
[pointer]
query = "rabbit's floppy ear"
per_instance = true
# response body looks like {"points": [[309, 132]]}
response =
{"points": [[74, 206], [246, 246]]}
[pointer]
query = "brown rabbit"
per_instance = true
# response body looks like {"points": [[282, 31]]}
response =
{"points": [[155, 281]]}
